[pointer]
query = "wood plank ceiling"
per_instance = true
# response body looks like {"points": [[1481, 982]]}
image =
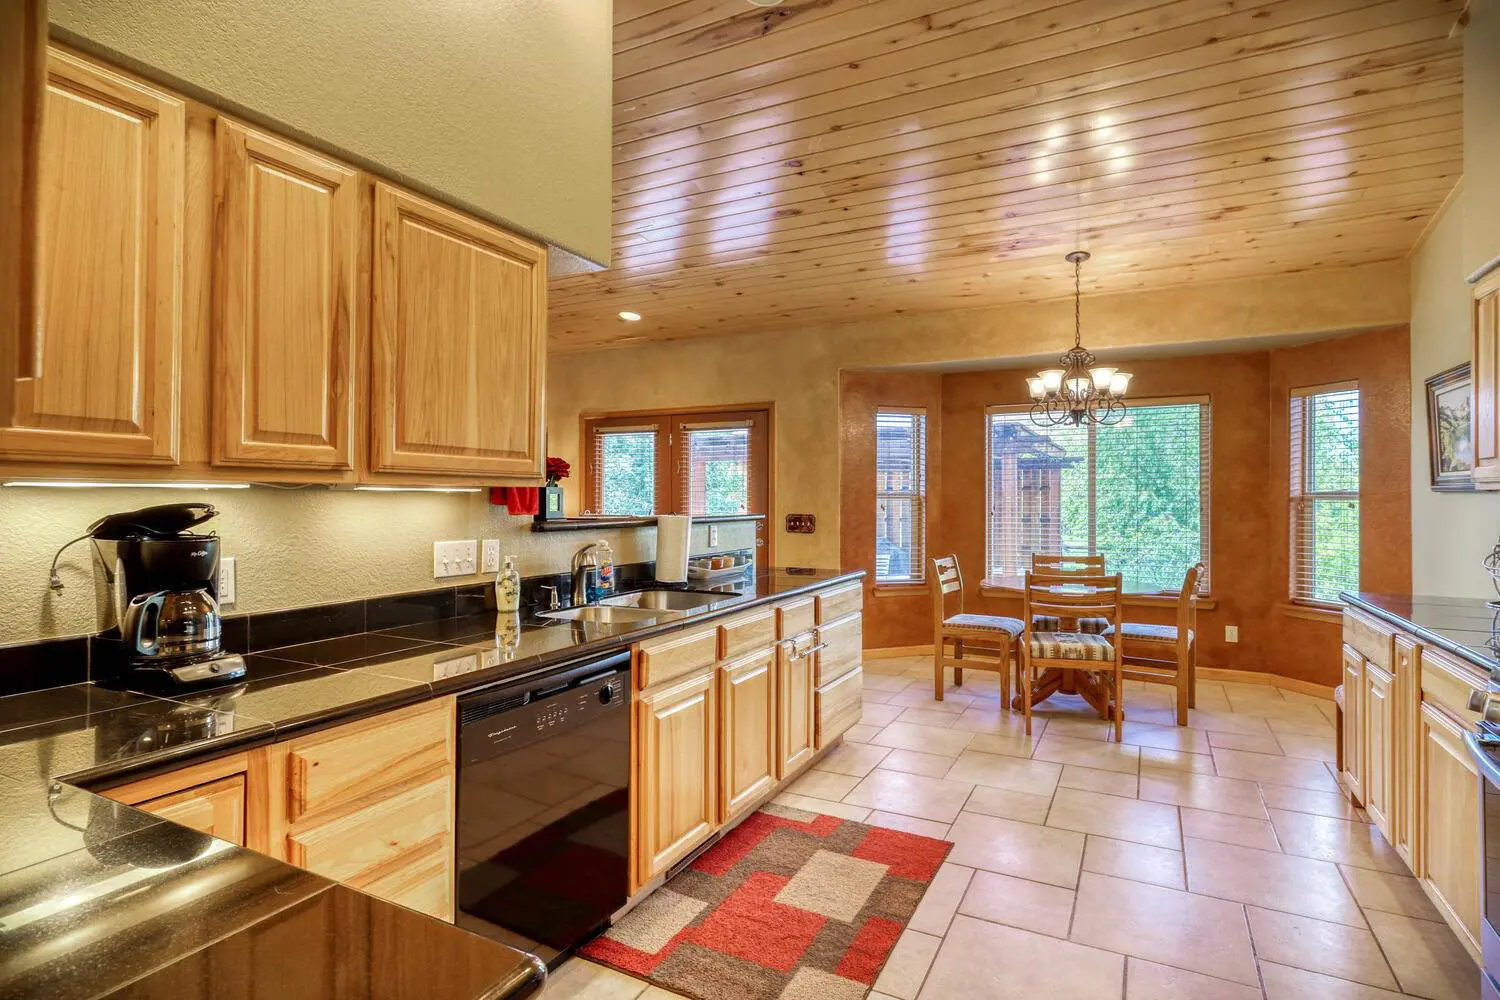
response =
{"points": [[830, 160]]}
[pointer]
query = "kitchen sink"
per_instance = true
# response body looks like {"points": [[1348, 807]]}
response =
{"points": [[667, 600], [607, 614]]}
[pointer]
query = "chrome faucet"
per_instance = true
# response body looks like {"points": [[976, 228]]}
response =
{"points": [[585, 561]]}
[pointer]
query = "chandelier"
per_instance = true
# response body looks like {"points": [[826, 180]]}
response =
{"points": [[1078, 391]]}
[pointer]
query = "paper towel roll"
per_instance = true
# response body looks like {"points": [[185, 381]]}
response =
{"points": [[674, 535]]}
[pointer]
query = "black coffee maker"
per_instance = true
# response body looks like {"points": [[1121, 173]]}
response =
{"points": [[157, 589]]}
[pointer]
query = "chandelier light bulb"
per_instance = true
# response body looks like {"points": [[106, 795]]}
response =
{"points": [[1118, 382], [1035, 387], [1051, 379], [1079, 391], [1101, 378]]}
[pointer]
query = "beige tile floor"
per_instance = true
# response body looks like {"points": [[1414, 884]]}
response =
{"points": [[1216, 862]]}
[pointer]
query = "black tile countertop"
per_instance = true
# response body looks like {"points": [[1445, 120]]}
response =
{"points": [[98, 899], [1464, 626]]}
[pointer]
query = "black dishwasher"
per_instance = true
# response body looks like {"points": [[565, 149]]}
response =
{"points": [[544, 806]]}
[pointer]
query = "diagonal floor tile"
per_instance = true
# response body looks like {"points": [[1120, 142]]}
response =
{"points": [[1089, 753], [1274, 881], [940, 902], [1308, 801], [908, 824], [857, 759], [907, 965], [880, 715], [905, 736], [1023, 806], [1112, 816], [1179, 738], [915, 762], [1015, 773], [1012, 848], [1284, 983], [1176, 760], [981, 959], [911, 794], [1328, 839], [1019, 902], [1202, 791], [824, 785], [1092, 779], [927, 717], [1389, 892], [1148, 981], [1138, 862], [1336, 950], [1229, 829], [1164, 925], [1275, 770], [1427, 958]]}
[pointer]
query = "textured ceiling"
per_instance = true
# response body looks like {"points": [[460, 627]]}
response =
{"points": [[827, 160]]}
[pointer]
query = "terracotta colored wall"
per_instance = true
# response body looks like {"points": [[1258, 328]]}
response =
{"points": [[895, 615], [1380, 362], [1248, 514]]}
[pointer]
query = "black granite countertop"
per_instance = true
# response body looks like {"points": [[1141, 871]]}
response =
{"points": [[1464, 626], [98, 899]]}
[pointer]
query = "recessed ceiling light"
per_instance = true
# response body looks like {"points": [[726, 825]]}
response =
{"points": [[629, 316]]}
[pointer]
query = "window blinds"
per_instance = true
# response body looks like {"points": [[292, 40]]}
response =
{"points": [[900, 495], [625, 460], [1324, 514], [714, 467], [1136, 491]]}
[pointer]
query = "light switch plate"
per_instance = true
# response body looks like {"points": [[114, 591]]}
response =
{"points": [[1231, 633], [491, 562], [454, 558], [226, 580], [713, 536]]}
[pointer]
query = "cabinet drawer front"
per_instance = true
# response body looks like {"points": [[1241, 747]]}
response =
{"points": [[839, 706], [1370, 636], [357, 842], [675, 655], [346, 764], [421, 880], [795, 617], [746, 633], [841, 649], [217, 808], [840, 601], [1447, 682]]}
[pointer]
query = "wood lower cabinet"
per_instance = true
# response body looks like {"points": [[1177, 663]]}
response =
{"points": [[677, 788], [106, 354], [1486, 357], [839, 706], [459, 326], [1449, 854], [797, 721], [213, 797], [747, 731], [1354, 738], [285, 303], [1379, 733]]}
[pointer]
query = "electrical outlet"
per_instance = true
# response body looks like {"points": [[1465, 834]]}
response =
{"points": [[713, 536], [1231, 633], [226, 580], [491, 548], [454, 559]]}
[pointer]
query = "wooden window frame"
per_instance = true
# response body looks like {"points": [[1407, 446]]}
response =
{"points": [[1300, 495], [918, 498], [1205, 497]]}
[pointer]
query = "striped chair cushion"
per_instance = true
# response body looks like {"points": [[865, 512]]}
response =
{"points": [[1070, 646], [984, 623], [1052, 623], [1147, 633]]}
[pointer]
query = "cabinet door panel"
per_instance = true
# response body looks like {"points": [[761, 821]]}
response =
{"points": [[1486, 357], [286, 256], [1448, 815], [1378, 721], [797, 724], [217, 808], [679, 780], [1354, 734], [748, 719], [110, 256], [459, 343]]}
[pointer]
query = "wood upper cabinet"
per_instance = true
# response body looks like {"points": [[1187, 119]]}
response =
{"points": [[459, 326], [107, 344], [678, 787], [285, 299], [1378, 718], [1448, 849], [747, 736], [1354, 738], [1486, 356]]}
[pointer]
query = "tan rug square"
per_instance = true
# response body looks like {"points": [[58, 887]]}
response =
{"points": [[833, 885]]}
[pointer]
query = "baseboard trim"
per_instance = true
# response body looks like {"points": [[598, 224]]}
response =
{"points": [[1271, 680], [891, 652]]}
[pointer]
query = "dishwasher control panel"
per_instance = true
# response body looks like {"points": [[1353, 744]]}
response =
{"points": [[544, 714]]}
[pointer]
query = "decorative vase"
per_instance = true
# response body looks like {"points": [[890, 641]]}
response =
{"points": [[550, 507]]}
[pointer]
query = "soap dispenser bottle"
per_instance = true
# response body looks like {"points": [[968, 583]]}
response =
{"points": [[508, 587]]}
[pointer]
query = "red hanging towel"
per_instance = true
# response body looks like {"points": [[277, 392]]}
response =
{"points": [[517, 499]]}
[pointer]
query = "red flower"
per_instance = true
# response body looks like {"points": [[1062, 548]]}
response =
{"points": [[557, 469]]}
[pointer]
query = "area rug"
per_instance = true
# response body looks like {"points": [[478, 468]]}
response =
{"points": [[789, 905]]}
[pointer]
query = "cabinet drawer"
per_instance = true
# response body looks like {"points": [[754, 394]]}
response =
{"points": [[674, 655], [1447, 682], [1370, 636], [747, 632], [217, 808], [795, 617], [841, 649], [840, 601], [421, 880], [370, 837], [839, 706], [345, 764]]}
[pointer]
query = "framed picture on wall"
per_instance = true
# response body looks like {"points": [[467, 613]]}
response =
{"points": [[1450, 400]]}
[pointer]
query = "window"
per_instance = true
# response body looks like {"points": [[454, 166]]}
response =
{"points": [[626, 460], [900, 495], [716, 467], [1324, 520], [1136, 491]]}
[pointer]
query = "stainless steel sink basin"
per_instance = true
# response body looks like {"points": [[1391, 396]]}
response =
{"points": [[667, 600], [607, 614]]}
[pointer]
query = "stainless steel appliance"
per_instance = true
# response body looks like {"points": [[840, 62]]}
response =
{"points": [[544, 806], [157, 589]]}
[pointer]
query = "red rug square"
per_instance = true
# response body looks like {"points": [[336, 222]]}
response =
{"points": [[750, 924]]}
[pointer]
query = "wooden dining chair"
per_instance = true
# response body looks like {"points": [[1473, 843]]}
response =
{"points": [[1168, 654], [991, 637], [1060, 564], [1095, 654]]}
